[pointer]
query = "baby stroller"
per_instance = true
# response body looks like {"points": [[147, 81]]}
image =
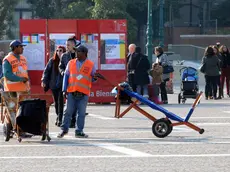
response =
{"points": [[189, 84]]}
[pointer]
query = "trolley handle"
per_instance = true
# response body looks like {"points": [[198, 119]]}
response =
{"points": [[197, 100]]}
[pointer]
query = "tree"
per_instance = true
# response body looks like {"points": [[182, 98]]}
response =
{"points": [[115, 9], [135, 11], [45, 8], [139, 9], [221, 13], [6, 15], [80, 9], [58, 9]]}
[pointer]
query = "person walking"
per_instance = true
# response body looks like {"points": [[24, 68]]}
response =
{"points": [[162, 59], [52, 79], [211, 70], [225, 68], [77, 83]]}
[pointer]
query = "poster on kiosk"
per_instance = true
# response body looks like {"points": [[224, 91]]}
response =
{"points": [[105, 40]]}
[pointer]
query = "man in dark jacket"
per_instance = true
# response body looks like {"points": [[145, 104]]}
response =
{"points": [[69, 55], [141, 66], [130, 67]]}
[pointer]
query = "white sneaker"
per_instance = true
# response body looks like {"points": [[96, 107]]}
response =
{"points": [[146, 96]]}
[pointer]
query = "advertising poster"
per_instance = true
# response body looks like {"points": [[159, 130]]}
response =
{"points": [[34, 51], [57, 40], [91, 42], [113, 51]]}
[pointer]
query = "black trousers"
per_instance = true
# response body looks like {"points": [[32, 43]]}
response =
{"points": [[164, 96], [131, 82], [211, 85], [59, 103], [219, 89]]}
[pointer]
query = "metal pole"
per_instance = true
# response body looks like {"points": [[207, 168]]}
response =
{"points": [[149, 33], [170, 18], [190, 15], [204, 17], [161, 24]]}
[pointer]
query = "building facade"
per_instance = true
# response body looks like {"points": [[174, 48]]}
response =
{"points": [[22, 11]]}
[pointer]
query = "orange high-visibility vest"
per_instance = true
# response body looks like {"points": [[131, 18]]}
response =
{"points": [[19, 68], [80, 79]]}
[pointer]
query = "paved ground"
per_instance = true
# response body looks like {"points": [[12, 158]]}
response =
{"points": [[128, 144]]}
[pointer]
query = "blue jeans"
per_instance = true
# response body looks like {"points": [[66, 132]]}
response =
{"points": [[78, 105], [145, 89]]}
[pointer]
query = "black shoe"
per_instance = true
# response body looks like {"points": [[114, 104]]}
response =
{"points": [[56, 122], [59, 124], [81, 135], [62, 134], [86, 114], [165, 102]]}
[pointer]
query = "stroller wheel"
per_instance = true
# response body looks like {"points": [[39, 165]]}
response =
{"points": [[7, 131], [19, 139], [183, 101], [179, 98]]}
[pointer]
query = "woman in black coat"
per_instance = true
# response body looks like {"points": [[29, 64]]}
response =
{"points": [[52, 79], [211, 65], [141, 76]]}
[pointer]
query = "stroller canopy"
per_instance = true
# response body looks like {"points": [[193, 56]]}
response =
{"points": [[189, 74]]}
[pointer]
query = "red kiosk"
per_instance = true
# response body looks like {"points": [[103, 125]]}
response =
{"points": [[105, 39]]}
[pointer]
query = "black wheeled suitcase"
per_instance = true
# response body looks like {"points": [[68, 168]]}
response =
{"points": [[31, 116]]}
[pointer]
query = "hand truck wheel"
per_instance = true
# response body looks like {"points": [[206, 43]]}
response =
{"points": [[201, 131], [170, 126], [161, 128]]}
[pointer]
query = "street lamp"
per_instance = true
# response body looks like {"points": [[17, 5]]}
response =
{"points": [[149, 32], [161, 24]]}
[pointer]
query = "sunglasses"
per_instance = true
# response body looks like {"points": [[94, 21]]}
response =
{"points": [[60, 51]]}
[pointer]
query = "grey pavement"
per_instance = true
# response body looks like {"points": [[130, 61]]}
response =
{"points": [[127, 144]]}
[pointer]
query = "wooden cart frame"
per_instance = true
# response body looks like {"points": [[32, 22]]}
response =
{"points": [[6, 119], [161, 127]]}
